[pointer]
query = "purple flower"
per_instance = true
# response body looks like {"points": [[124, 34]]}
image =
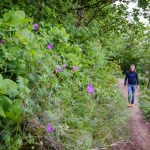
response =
{"points": [[36, 26], [50, 46], [90, 89], [75, 68], [59, 69], [50, 128], [2, 41], [40, 62], [65, 65]]}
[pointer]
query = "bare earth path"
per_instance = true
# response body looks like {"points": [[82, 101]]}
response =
{"points": [[139, 127]]}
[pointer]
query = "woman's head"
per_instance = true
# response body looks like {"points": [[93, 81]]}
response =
{"points": [[132, 67]]}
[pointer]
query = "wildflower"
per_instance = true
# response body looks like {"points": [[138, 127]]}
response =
{"points": [[2, 41], [36, 26], [75, 68], [65, 65], [90, 89], [50, 128], [50, 46], [59, 69], [40, 62]]}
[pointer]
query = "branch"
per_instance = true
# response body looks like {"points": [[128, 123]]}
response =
{"points": [[93, 5], [104, 31], [87, 6], [96, 12]]}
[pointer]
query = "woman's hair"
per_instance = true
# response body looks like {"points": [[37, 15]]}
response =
{"points": [[132, 65]]}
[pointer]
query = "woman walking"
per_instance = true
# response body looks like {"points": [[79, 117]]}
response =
{"points": [[133, 82]]}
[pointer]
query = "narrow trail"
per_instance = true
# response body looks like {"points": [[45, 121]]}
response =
{"points": [[139, 127]]}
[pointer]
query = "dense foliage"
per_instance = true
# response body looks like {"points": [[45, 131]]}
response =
{"points": [[145, 103], [58, 72]]}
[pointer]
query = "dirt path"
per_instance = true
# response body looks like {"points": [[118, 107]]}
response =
{"points": [[139, 127]]}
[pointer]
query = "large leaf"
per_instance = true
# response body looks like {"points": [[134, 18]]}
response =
{"points": [[5, 99], [5, 102], [14, 17], [10, 87], [19, 14], [2, 113], [7, 16], [7, 86], [15, 111]]}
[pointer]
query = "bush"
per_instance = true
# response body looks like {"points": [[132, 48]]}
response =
{"points": [[67, 87], [10, 114], [145, 103], [143, 82]]}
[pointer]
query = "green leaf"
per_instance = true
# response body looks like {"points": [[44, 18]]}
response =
{"points": [[7, 16], [19, 14], [10, 87], [14, 17], [17, 109], [17, 17], [15, 113], [2, 113], [5, 99], [1, 81], [5, 102]]}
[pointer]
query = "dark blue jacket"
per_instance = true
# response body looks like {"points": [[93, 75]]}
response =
{"points": [[132, 77]]}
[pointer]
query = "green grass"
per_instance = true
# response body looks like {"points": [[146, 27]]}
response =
{"points": [[145, 103]]}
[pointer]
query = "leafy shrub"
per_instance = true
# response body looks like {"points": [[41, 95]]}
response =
{"points": [[145, 103], [10, 113], [143, 81], [53, 74]]}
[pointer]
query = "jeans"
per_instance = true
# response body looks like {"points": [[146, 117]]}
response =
{"points": [[131, 93]]}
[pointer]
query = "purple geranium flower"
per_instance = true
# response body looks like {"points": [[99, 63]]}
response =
{"points": [[50, 128], [36, 26], [75, 68], [2, 41], [65, 65], [90, 89], [40, 62], [50, 46], [59, 69]]}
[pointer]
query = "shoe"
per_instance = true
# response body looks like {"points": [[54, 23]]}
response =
{"points": [[132, 105], [129, 105]]}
